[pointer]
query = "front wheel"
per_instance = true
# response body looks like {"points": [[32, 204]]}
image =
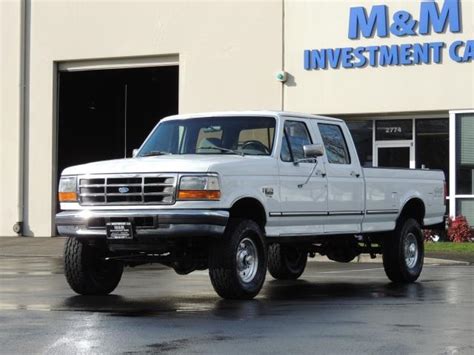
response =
{"points": [[403, 252], [286, 262], [86, 270], [238, 262]]}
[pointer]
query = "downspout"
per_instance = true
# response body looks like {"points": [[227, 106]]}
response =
{"points": [[283, 53], [24, 62]]}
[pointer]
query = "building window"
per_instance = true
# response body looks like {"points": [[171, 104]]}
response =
{"points": [[394, 157], [432, 144], [393, 130], [361, 132], [461, 164], [465, 207], [465, 154]]}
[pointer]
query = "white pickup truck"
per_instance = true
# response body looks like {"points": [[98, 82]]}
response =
{"points": [[240, 192]]}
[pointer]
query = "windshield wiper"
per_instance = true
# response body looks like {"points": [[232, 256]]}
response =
{"points": [[155, 153], [222, 149]]}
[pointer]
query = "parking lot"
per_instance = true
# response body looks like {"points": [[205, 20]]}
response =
{"points": [[334, 308]]}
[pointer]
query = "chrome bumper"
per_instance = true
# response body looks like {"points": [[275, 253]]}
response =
{"points": [[153, 223]]}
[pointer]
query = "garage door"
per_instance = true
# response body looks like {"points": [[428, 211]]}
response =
{"points": [[105, 114]]}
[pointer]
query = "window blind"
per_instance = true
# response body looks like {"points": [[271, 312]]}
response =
{"points": [[465, 139]]}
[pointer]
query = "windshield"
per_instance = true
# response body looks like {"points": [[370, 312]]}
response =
{"points": [[212, 135]]}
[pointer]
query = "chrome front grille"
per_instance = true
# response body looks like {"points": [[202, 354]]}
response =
{"points": [[127, 189]]}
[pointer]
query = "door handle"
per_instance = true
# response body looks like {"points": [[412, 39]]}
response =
{"points": [[355, 174], [320, 173]]}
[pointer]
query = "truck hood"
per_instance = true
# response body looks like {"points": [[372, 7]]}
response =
{"points": [[156, 164]]}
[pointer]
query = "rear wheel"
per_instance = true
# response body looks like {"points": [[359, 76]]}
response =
{"points": [[86, 270], [237, 262], [403, 252], [286, 262]]}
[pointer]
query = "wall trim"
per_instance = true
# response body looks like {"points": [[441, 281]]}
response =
{"points": [[118, 63]]}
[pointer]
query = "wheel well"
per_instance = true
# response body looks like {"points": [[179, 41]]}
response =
{"points": [[249, 208], [414, 208]]}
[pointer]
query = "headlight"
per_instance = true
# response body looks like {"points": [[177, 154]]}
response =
{"points": [[199, 188], [67, 191]]}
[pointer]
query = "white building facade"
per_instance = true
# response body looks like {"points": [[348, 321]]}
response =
{"points": [[84, 81]]}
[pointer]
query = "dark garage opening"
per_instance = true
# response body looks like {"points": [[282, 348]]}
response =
{"points": [[105, 114]]}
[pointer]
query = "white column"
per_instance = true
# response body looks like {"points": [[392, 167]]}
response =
{"points": [[452, 164]]}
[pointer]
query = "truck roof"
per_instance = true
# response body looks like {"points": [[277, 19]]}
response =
{"points": [[250, 113]]}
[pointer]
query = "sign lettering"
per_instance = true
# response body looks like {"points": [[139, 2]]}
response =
{"points": [[377, 22]]}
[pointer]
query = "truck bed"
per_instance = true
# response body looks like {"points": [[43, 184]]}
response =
{"points": [[387, 191]]}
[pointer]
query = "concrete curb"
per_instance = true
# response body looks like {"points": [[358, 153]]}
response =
{"points": [[378, 260]]}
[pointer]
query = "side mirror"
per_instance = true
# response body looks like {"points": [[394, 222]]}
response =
{"points": [[134, 153], [313, 150]]}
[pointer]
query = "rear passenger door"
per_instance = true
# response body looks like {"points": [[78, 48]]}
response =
{"points": [[345, 180]]}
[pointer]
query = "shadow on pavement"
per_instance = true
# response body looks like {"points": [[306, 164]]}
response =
{"points": [[275, 295]]}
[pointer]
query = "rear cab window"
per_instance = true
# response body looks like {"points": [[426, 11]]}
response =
{"points": [[335, 143]]}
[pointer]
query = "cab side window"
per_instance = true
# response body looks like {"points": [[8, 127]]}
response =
{"points": [[334, 144], [295, 137]]}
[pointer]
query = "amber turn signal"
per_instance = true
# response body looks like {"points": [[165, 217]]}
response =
{"points": [[67, 196], [213, 195]]}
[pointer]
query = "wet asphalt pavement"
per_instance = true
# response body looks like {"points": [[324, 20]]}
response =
{"points": [[334, 308]]}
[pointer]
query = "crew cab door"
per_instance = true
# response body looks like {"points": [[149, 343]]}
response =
{"points": [[303, 188], [345, 180]]}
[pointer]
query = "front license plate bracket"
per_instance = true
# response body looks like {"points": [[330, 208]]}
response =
{"points": [[119, 231]]}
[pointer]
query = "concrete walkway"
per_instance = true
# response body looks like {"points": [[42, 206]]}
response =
{"points": [[30, 246]]}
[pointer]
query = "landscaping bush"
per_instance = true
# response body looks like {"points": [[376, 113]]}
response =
{"points": [[459, 230]]}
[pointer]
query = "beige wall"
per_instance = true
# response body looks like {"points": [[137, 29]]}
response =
{"points": [[228, 54], [10, 33], [325, 24]]}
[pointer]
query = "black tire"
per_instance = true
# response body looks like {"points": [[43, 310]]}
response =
{"points": [[403, 252], [86, 272], [286, 262], [224, 264]]}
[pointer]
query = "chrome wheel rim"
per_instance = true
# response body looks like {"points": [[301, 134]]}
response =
{"points": [[411, 250], [247, 260]]}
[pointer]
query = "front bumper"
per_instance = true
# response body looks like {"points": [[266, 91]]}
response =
{"points": [[159, 223]]}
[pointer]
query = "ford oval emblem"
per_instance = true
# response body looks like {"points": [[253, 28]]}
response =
{"points": [[123, 189]]}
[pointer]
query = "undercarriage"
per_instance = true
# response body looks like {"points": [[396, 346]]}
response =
{"points": [[186, 255]]}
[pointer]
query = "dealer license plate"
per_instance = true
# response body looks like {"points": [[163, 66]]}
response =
{"points": [[119, 230]]}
